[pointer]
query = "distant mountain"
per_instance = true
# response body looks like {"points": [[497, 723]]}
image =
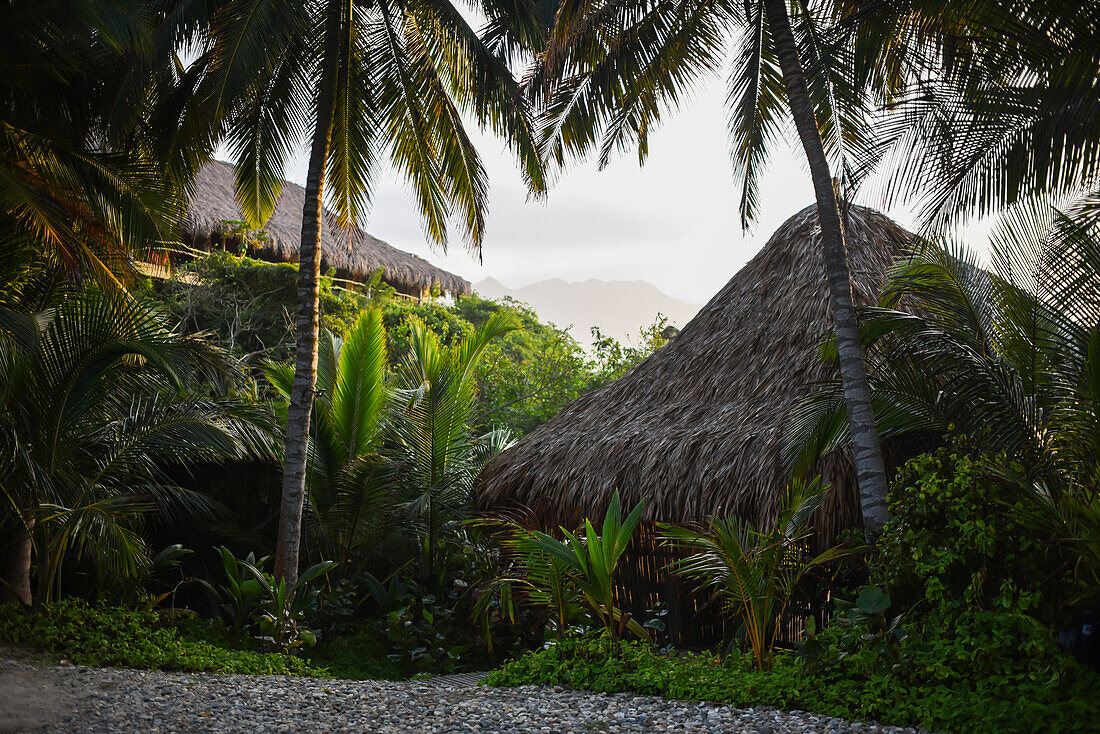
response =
{"points": [[619, 308]]}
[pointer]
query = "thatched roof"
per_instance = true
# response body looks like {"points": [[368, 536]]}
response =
{"points": [[354, 252], [696, 429]]}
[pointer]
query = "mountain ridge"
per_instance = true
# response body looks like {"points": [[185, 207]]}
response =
{"points": [[620, 308]]}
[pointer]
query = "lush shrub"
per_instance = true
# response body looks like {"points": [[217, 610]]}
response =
{"points": [[997, 703], [957, 542], [248, 305], [101, 635]]}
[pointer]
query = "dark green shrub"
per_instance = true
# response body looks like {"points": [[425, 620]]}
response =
{"points": [[102, 635], [360, 655], [956, 542]]}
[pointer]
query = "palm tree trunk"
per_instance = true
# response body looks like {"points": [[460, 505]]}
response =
{"points": [[870, 468], [17, 573], [306, 320]]}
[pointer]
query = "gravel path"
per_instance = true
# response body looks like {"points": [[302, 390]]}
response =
{"points": [[113, 700]]}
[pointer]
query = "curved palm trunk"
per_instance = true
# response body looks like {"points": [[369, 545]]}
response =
{"points": [[306, 320], [870, 468]]}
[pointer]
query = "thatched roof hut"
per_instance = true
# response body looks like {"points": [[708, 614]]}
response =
{"points": [[696, 429], [354, 253]]}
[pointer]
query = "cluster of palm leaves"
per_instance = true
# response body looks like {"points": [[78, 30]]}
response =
{"points": [[99, 400], [93, 156], [392, 455], [1009, 356], [1004, 113], [754, 572]]}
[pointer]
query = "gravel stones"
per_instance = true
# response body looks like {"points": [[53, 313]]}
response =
{"points": [[150, 702]]}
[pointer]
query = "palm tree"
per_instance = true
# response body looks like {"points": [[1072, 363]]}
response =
{"points": [[88, 168], [366, 81], [94, 405], [614, 68], [348, 495], [437, 454]]}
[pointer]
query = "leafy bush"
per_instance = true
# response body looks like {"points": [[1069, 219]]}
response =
{"points": [[998, 703], [427, 625], [102, 635], [247, 306], [957, 542]]}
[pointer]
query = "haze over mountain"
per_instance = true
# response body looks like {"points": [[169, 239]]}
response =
{"points": [[619, 308]]}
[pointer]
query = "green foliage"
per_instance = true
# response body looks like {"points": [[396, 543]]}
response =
{"points": [[285, 610], [438, 458], [427, 624], [524, 378], [754, 572], [442, 320], [247, 306], [425, 636], [957, 542], [361, 655], [240, 593], [532, 578], [954, 635], [103, 635], [1008, 356], [558, 573], [869, 611], [845, 688], [530, 374], [92, 409], [89, 183], [613, 359], [350, 502]]}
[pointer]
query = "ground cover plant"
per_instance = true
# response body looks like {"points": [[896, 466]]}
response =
{"points": [[104, 635], [1062, 701]]}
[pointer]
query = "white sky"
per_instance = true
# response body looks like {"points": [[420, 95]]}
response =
{"points": [[672, 223]]}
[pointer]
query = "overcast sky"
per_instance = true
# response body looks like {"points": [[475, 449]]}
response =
{"points": [[672, 222]]}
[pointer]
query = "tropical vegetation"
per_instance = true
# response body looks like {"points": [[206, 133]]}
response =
{"points": [[171, 452]]}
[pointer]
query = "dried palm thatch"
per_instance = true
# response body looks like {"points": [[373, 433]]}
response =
{"points": [[354, 253], [696, 429]]}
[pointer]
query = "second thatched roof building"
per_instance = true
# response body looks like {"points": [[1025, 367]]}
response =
{"points": [[697, 428], [355, 254]]}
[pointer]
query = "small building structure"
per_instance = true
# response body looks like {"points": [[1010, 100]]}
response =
{"points": [[697, 428], [213, 220]]}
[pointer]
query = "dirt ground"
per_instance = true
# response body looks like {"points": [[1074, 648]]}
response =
{"points": [[33, 700]]}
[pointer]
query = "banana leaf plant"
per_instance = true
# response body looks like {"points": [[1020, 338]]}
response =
{"points": [[590, 563], [285, 607]]}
